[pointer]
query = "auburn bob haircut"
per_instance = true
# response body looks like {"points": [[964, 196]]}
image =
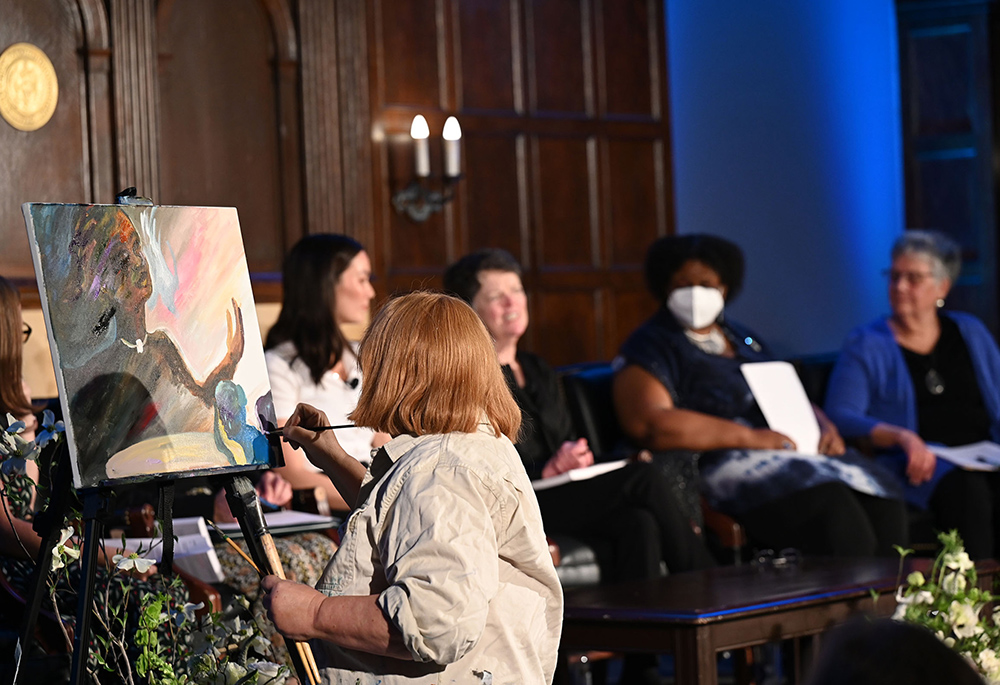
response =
{"points": [[430, 367]]}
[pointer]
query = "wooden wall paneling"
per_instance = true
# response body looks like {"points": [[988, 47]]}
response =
{"points": [[565, 325], [565, 202], [496, 205], [290, 151], [407, 43], [99, 85], [359, 194], [228, 117], [948, 139], [488, 61], [133, 34], [559, 57], [636, 214], [628, 306], [53, 163], [321, 146], [566, 151], [629, 59], [415, 251]]}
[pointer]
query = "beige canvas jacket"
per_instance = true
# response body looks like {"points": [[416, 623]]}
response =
{"points": [[448, 534]]}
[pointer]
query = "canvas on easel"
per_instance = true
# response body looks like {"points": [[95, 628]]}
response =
{"points": [[154, 340]]}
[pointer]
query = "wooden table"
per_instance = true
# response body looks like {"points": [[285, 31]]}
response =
{"points": [[696, 615]]}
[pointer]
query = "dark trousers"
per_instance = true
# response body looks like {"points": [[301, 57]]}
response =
{"points": [[633, 508], [967, 501], [830, 520]]}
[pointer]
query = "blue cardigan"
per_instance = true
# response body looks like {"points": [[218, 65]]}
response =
{"points": [[871, 384]]}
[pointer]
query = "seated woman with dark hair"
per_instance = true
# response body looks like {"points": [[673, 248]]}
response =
{"points": [[678, 385]]}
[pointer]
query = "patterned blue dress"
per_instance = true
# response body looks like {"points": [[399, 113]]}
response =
{"points": [[738, 480]]}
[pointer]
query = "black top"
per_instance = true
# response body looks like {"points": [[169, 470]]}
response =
{"points": [[950, 407], [545, 420]]}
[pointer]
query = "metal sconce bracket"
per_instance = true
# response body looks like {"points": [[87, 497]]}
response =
{"points": [[418, 202]]}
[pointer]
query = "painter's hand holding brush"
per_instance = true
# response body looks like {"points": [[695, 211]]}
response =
{"points": [[323, 450]]}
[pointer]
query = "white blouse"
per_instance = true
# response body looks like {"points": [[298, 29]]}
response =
{"points": [[292, 383]]}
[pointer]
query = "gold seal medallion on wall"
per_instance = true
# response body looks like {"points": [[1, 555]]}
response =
{"points": [[29, 89]]}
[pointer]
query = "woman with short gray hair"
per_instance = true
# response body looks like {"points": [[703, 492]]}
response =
{"points": [[925, 376]]}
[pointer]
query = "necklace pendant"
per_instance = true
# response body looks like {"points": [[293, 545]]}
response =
{"points": [[934, 382]]}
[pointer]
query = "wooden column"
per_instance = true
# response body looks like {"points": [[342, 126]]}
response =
{"points": [[324, 191], [335, 117], [133, 65], [355, 119]]}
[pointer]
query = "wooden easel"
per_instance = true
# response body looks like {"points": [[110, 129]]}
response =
{"points": [[243, 503]]}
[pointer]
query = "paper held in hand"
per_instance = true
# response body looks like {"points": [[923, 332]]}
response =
{"points": [[978, 456], [578, 474], [783, 401]]}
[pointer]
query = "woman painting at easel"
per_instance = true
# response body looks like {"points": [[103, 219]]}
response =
{"points": [[444, 573]]}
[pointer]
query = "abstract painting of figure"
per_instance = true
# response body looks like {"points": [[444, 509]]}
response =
{"points": [[154, 339]]}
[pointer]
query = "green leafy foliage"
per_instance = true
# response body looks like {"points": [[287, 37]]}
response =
{"points": [[950, 604]]}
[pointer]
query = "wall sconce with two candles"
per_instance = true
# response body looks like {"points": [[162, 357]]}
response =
{"points": [[416, 200]]}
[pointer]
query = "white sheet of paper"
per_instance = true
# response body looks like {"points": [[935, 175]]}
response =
{"points": [[286, 518], [783, 401], [578, 474], [194, 552], [978, 456]]}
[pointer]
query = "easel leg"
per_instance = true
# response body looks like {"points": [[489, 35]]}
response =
{"points": [[94, 507], [47, 525]]}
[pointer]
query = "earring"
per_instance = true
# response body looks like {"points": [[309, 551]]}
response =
{"points": [[940, 302]]}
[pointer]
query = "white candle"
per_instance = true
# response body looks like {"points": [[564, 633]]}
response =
{"points": [[452, 151], [419, 131]]}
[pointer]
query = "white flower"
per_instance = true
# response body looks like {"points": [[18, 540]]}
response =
{"points": [[132, 562], [187, 613], [964, 620], [989, 663], [50, 429], [958, 561], [916, 579], [230, 674], [954, 583], [916, 599], [15, 448], [269, 672], [949, 642], [61, 551], [13, 425]]}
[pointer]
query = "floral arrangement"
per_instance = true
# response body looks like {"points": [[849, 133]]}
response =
{"points": [[168, 644], [950, 604]]}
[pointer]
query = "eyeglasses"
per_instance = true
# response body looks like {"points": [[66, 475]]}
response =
{"points": [[912, 278], [768, 558], [27, 332]]}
